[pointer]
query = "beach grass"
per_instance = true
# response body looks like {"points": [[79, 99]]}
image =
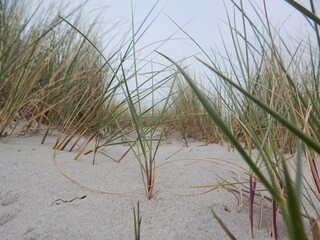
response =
{"points": [[274, 103], [263, 102]]}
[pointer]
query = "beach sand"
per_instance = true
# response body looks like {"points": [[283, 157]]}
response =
{"points": [[32, 184]]}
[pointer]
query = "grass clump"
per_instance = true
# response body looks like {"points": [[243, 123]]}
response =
{"points": [[189, 117], [273, 104], [54, 73], [49, 75]]}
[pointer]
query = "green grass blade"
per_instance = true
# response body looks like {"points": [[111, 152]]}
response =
{"points": [[220, 123], [299, 174], [296, 227], [224, 227], [311, 142], [304, 11]]}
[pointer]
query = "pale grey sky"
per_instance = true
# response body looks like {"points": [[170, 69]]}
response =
{"points": [[203, 19]]}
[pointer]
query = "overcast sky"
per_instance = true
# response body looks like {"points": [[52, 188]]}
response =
{"points": [[202, 19]]}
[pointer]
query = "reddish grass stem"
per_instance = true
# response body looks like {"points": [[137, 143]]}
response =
{"points": [[75, 143], [315, 175], [251, 203], [45, 135], [274, 219]]}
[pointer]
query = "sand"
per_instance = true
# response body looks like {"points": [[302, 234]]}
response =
{"points": [[32, 184]]}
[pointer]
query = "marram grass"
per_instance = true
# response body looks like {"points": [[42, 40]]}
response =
{"points": [[53, 73]]}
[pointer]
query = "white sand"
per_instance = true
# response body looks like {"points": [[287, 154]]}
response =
{"points": [[30, 183]]}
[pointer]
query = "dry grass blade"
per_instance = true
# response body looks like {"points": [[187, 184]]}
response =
{"points": [[224, 227]]}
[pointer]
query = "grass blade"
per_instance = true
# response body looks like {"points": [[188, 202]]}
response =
{"points": [[220, 123], [224, 227]]}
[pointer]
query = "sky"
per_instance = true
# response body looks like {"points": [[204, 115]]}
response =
{"points": [[204, 20]]}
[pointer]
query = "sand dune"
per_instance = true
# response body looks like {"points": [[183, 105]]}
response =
{"points": [[38, 202]]}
